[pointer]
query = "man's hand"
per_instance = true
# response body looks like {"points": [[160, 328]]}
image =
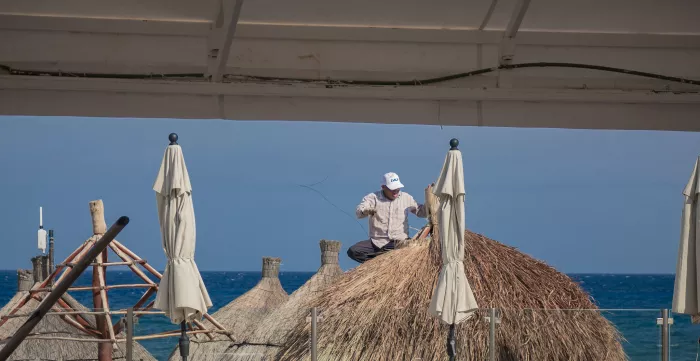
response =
{"points": [[429, 187], [369, 212]]}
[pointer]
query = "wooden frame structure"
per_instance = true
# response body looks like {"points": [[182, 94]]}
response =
{"points": [[106, 331]]}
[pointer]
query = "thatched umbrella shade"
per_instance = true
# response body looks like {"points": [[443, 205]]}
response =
{"points": [[378, 311], [265, 342], [52, 326], [241, 315]]}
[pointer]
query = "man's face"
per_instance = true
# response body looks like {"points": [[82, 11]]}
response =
{"points": [[391, 194]]}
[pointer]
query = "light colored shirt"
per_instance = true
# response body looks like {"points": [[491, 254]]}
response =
{"points": [[390, 220]]}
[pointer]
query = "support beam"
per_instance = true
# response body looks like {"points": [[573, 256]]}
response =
{"points": [[221, 38], [142, 88], [507, 50], [429, 105], [489, 13]]}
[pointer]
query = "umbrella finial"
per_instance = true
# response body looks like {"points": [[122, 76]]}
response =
{"points": [[173, 138], [454, 143]]}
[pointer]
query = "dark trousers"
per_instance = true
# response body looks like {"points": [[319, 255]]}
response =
{"points": [[365, 250]]}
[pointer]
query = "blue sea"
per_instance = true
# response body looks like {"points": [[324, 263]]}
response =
{"points": [[645, 293]]}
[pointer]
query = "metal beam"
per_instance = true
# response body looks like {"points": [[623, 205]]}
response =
{"points": [[507, 50], [221, 38], [253, 30], [496, 113], [488, 15]]}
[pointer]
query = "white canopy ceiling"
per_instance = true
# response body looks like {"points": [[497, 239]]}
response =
{"points": [[95, 57]]}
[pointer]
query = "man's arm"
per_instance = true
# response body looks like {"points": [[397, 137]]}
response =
{"points": [[367, 206]]}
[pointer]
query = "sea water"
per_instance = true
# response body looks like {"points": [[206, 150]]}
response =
{"points": [[644, 293]]}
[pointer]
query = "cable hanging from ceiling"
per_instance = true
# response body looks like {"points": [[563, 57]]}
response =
{"points": [[413, 82]]}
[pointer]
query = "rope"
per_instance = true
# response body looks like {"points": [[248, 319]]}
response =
{"points": [[310, 187]]}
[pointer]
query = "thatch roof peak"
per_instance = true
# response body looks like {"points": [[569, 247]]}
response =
{"points": [[329, 251], [271, 267], [25, 280], [270, 334], [241, 315]]}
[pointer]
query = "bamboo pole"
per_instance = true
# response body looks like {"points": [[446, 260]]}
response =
{"points": [[105, 300], [145, 298], [86, 247], [135, 338], [16, 339], [79, 318], [129, 334], [219, 326], [118, 327], [58, 269], [95, 288], [172, 334], [78, 326], [97, 214], [136, 270], [62, 304], [202, 327], [108, 264], [135, 257], [28, 297], [433, 204], [72, 313], [74, 339]]}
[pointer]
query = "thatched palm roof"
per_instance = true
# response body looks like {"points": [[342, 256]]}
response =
{"points": [[378, 311], [265, 342], [53, 326], [241, 315]]}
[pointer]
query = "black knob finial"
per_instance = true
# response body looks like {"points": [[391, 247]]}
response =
{"points": [[173, 138], [454, 143]]}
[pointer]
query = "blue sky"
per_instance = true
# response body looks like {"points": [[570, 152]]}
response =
{"points": [[581, 200]]}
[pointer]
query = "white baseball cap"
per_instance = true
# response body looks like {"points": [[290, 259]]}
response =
{"points": [[391, 181]]}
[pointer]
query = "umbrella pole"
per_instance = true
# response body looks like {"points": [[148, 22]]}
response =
{"points": [[184, 341], [451, 343]]}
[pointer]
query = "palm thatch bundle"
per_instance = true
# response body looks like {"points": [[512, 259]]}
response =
{"points": [[378, 311], [48, 341], [265, 342], [241, 315]]}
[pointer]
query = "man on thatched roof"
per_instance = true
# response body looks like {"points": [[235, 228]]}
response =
{"points": [[387, 210]]}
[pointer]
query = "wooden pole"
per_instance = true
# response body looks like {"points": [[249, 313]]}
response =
{"points": [[61, 302], [51, 259], [78, 258], [58, 269], [97, 213], [314, 339], [433, 204], [118, 326], [24, 330], [99, 297], [131, 264], [129, 334], [137, 258]]}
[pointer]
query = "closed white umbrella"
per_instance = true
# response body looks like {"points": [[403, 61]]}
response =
{"points": [[685, 293], [453, 300], [181, 294]]}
